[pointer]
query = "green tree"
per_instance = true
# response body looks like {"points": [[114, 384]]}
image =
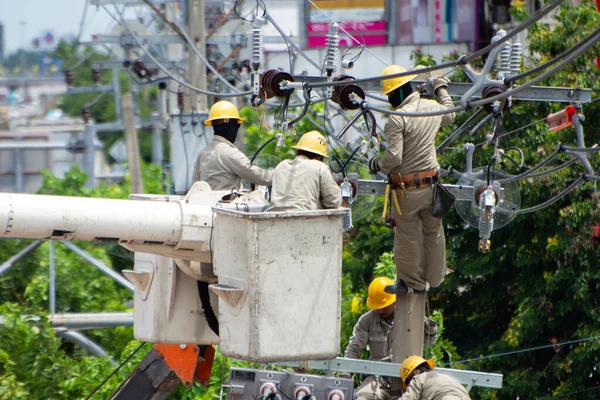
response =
{"points": [[539, 284]]}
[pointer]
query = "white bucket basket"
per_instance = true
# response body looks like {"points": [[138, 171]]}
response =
{"points": [[279, 283]]}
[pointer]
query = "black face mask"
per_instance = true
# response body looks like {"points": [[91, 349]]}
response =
{"points": [[227, 130], [399, 95]]}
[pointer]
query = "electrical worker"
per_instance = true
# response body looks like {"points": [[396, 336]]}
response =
{"points": [[421, 382], [419, 242], [374, 330], [305, 183], [220, 163]]}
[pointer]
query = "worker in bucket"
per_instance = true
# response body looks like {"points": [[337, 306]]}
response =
{"points": [[221, 164], [419, 242], [421, 382], [305, 183], [374, 330]]}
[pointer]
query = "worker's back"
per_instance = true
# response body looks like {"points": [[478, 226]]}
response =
{"points": [[418, 133], [434, 386], [303, 184], [223, 166]]}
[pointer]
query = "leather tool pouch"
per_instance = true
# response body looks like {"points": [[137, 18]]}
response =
{"points": [[442, 201]]}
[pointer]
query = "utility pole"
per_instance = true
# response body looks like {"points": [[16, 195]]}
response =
{"points": [[131, 139], [198, 102]]}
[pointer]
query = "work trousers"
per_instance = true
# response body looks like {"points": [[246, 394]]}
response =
{"points": [[419, 241], [371, 389]]}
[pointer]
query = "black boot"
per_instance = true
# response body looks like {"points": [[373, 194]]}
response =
{"points": [[401, 288]]}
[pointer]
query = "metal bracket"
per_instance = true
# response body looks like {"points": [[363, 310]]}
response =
{"points": [[340, 364]]}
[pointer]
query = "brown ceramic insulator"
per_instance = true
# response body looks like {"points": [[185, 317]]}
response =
{"points": [[491, 91], [271, 81]]}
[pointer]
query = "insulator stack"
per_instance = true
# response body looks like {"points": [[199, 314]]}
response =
{"points": [[95, 75], [333, 45], [515, 57], [271, 84], [342, 94], [503, 62], [257, 49], [180, 99]]}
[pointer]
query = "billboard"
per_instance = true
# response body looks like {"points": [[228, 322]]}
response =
{"points": [[364, 20]]}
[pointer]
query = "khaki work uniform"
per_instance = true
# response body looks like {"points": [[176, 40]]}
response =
{"points": [[303, 184], [377, 334], [419, 242], [434, 386], [223, 166]]}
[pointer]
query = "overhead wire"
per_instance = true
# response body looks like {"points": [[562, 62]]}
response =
{"points": [[581, 48], [115, 370], [510, 353], [552, 200], [463, 60], [168, 73], [346, 32]]}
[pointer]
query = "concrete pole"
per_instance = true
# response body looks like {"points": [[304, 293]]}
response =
{"points": [[196, 32], [116, 92], [131, 140], [19, 170], [409, 330], [89, 154], [157, 147]]}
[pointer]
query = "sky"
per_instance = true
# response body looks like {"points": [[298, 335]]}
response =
{"points": [[61, 17]]}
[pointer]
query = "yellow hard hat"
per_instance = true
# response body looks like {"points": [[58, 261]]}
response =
{"points": [[409, 365], [223, 110], [389, 85], [378, 298], [313, 142]]}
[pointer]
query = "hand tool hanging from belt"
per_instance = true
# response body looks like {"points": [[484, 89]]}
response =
{"points": [[402, 183], [391, 195]]}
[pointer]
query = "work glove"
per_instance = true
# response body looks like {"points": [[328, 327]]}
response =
{"points": [[438, 82], [374, 165], [346, 375]]}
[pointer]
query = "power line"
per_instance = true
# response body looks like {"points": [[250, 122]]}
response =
{"points": [[349, 35], [509, 353], [167, 72]]}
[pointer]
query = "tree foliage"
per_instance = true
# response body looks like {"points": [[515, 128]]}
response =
{"points": [[539, 285]]}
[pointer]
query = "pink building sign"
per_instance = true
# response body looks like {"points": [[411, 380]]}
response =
{"points": [[372, 33]]}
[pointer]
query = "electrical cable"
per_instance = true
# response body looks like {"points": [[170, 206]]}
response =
{"points": [[95, 100], [162, 68], [82, 21], [414, 114], [115, 371], [524, 25], [205, 61], [237, 14], [294, 46], [346, 32], [581, 48], [552, 200], [261, 148], [509, 353], [514, 78], [440, 149]]}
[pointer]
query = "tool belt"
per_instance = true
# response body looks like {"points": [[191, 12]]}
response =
{"points": [[416, 180]]}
